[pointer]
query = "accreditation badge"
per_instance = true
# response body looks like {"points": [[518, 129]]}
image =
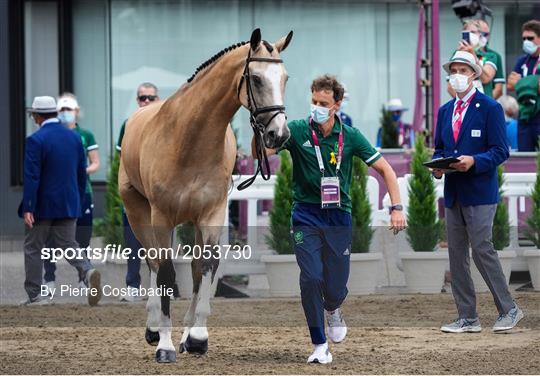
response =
{"points": [[330, 193]]}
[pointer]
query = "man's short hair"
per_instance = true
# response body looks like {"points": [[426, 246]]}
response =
{"points": [[330, 83], [147, 85], [532, 25], [509, 105]]}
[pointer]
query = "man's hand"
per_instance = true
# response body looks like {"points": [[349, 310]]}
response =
{"points": [[29, 219], [464, 164], [513, 79], [464, 46], [397, 221]]}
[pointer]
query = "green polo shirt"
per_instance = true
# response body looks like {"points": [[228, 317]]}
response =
{"points": [[491, 57], [89, 143], [306, 173]]}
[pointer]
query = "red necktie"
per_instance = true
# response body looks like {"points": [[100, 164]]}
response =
{"points": [[458, 118]]}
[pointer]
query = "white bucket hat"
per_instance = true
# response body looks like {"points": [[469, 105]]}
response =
{"points": [[43, 105], [395, 105], [465, 58], [67, 102]]}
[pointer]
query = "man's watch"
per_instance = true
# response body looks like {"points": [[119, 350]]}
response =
{"points": [[397, 207]]}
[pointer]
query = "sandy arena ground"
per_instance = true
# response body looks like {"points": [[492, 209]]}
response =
{"points": [[387, 334]]}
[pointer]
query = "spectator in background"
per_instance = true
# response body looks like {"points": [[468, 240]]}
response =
{"points": [[345, 119], [147, 93], [526, 66], [68, 114], [405, 131], [54, 186], [486, 56], [489, 60], [511, 112]]}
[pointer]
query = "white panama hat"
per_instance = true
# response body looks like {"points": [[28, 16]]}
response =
{"points": [[464, 57], [43, 105], [395, 105]]}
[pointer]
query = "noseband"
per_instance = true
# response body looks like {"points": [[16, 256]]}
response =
{"points": [[258, 127]]}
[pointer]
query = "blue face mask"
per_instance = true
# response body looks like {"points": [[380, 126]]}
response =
{"points": [[320, 115], [396, 117], [67, 117]]}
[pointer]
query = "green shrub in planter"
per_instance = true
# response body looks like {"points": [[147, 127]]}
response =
{"points": [[361, 210], [113, 228], [501, 223], [423, 231], [533, 222], [280, 215]]}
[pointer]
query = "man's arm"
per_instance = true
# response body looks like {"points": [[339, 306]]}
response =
{"points": [[512, 81], [488, 72], [497, 90], [397, 217]]}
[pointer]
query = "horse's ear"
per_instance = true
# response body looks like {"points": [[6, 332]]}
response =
{"points": [[284, 42], [255, 39]]}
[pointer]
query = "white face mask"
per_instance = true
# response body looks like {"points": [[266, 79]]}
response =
{"points": [[482, 42], [529, 47], [459, 82]]}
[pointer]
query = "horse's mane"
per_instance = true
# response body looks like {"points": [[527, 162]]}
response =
{"points": [[214, 58]]}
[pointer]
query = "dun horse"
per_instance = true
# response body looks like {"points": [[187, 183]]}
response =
{"points": [[176, 164]]}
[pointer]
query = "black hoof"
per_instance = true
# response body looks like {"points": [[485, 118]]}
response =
{"points": [[151, 337], [165, 356], [195, 346]]}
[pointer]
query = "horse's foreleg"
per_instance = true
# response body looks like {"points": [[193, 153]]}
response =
{"points": [[204, 269]]}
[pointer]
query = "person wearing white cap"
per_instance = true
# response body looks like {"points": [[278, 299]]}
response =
{"points": [[54, 184], [68, 113], [405, 131], [472, 129]]}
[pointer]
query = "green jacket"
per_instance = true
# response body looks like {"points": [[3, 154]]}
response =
{"points": [[527, 97]]}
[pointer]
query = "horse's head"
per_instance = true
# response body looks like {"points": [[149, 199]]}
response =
{"points": [[262, 88]]}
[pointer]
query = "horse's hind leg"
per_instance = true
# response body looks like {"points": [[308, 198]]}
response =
{"points": [[195, 338], [139, 213], [164, 278]]}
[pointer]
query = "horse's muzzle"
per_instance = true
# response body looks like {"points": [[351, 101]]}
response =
{"points": [[274, 139]]}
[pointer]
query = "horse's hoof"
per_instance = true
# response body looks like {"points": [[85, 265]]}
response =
{"points": [[165, 356], [151, 337], [195, 346]]}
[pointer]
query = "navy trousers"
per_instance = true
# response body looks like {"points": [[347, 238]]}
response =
{"points": [[133, 276], [322, 242], [83, 234]]}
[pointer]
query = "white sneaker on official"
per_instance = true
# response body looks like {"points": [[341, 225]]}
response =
{"points": [[337, 329], [321, 354], [127, 297]]}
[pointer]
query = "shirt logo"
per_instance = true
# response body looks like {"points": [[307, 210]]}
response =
{"points": [[298, 237], [307, 144]]}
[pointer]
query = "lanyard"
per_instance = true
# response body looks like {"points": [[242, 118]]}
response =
{"points": [[525, 68], [318, 148]]}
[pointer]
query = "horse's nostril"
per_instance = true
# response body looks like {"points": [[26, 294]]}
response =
{"points": [[271, 135]]}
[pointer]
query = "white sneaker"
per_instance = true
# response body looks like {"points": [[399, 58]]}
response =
{"points": [[127, 297], [337, 329], [321, 354]]}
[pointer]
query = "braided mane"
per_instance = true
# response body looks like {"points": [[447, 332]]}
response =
{"points": [[215, 57]]}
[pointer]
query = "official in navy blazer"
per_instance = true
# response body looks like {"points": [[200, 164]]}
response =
{"points": [[54, 185], [471, 128]]}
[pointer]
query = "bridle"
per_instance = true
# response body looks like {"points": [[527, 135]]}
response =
{"points": [[256, 125]]}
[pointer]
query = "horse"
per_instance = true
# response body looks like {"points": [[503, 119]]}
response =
{"points": [[176, 165]]}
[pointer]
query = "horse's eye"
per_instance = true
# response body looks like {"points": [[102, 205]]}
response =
{"points": [[257, 80]]}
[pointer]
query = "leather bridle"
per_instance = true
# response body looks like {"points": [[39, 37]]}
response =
{"points": [[258, 127]]}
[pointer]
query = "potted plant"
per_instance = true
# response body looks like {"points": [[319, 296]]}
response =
{"points": [[365, 265], [500, 238], [533, 230], [282, 270], [424, 267]]}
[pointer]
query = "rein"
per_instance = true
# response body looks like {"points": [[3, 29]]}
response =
{"points": [[256, 125]]}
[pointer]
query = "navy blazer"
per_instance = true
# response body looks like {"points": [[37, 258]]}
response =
{"points": [[54, 173], [482, 136]]}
